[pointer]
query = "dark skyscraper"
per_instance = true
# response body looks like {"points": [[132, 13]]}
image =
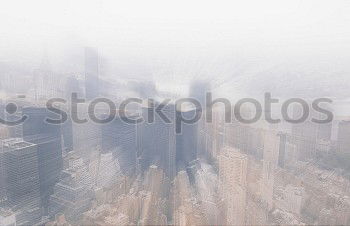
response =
{"points": [[119, 137], [198, 91], [186, 141], [47, 138], [91, 73], [157, 142], [160, 145], [36, 124]]}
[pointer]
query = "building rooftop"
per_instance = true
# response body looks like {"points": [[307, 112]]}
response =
{"points": [[16, 143]]}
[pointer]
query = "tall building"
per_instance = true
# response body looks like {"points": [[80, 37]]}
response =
{"points": [[270, 163], [304, 135], [157, 142], [73, 85], [87, 135], [72, 194], [119, 138], [344, 137], [3, 183], [46, 82], [36, 124], [91, 73], [22, 180], [186, 141], [67, 134], [214, 134], [198, 91], [108, 171], [233, 185], [282, 150], [47, 138], [160, 145]]}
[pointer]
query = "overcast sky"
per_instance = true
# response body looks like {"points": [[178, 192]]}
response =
{"points": [[173, 33]]}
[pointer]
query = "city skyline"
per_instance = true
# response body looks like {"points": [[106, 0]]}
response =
{"points": [[174, 113]]}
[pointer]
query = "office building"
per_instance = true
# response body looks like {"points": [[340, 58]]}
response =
{"points": [[186, 141], [119, 138], [270, 163], [22, 180], [233, 185], [86, 135], [157, 142], [91, 73], [343, 146], [73, 193], [47, 138]]}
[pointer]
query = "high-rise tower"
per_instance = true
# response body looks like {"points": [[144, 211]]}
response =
{"points": [[47, 138], [91, 73], [22, 179]]}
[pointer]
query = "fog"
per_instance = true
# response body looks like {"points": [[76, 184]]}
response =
{"points": [[178, 41], [95, 130]]}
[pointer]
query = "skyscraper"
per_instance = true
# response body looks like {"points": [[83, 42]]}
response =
{"points": [[119, 137], [304, 135], [22, 180], [47, 138], [233, 185], [3, 182], [73, 85], [91, 73], [87, 135], [344, 137], [157, 142], [72, 194], [270, 162], [198, 90], [186, 141]]}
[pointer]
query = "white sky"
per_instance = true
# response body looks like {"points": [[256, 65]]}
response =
{"points": [[161, 30]]}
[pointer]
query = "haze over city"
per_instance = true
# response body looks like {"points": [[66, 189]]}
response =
{"points": [[175, 113]]}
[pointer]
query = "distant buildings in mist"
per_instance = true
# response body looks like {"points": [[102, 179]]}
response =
{"points": [[119, 173]]}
